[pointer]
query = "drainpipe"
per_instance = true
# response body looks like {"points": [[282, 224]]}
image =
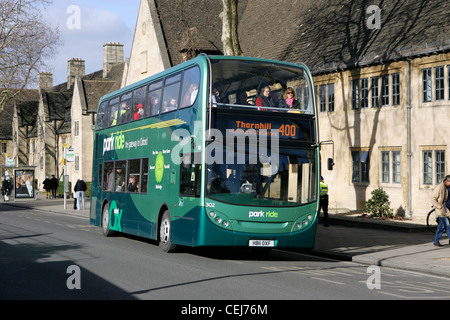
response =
{"points": [[408, 135]]}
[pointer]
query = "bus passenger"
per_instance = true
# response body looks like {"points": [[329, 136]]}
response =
{"points": [[133, 185], [154, 104], [217, 98], [264, 99], [123, 114], [289, 97], [120, 180], [172, 105], [139, 114], [242, 98], [190, 95]]}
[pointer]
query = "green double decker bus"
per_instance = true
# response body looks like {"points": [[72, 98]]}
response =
{"points": [[217, 151]]}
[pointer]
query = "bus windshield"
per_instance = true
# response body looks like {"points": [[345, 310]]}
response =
{"points": [[284, 179], [265, 85]]}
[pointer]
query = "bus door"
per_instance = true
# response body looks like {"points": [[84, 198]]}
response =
{"points": [[97, 181], [188, 210]]}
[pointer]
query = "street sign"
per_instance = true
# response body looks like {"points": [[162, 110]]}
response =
{"points": [[10, 161], [70, 155]]}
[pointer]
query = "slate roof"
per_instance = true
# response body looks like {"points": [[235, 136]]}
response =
{"points": [[95, 88], [27, 103], [57, 102], [191, 24], [5, 122], [327, 35]]}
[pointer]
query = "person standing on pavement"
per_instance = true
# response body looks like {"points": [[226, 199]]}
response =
{"points": [[54, 184], [6, 189], [441, 202], [80, 188], [323, 202], [47, 187]]}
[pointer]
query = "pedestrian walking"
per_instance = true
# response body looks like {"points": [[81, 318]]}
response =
{"points": [[323, 201], [47, 187], [54, 185], [80, 188], [441, 202], [6, 189]]}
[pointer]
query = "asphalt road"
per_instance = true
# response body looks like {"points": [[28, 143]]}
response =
{"points": [[53, 256]]}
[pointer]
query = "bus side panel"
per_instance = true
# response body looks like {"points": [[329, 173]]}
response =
{"points": [[95, 213], [185, 227]]}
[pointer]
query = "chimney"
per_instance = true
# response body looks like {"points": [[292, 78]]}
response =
{"points": [[45, 80], [112, 54], [76, 68]]}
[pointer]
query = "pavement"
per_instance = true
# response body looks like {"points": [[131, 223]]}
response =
{"points": [[405, 245]]}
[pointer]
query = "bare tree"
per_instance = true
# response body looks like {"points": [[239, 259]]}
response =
{"points": [[26, 41], [230, 38]]}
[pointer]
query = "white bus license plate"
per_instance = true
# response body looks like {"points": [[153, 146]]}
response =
{"points": [[262, 243]]}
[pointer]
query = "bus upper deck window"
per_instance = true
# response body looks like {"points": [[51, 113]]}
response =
{"points": [[153, 98], [191, 82]]}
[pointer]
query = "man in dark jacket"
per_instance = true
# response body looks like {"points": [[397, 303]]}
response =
{"points": [[80, 188], [47, 186], [6, 189], [54, 184]]}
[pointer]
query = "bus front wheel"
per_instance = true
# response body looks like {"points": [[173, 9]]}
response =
{"points": [[164, 233]]}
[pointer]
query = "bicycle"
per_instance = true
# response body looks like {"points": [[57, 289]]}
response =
{"points": [[432, 220]]}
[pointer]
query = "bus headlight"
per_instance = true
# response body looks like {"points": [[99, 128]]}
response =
{"points": [[220, 219]]}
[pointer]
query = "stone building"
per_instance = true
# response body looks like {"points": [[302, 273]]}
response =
{"points": [[45, 119], [381, 71]]}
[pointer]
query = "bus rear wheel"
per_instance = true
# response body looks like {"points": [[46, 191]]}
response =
{"points": [[164, 233], [107, 232]]}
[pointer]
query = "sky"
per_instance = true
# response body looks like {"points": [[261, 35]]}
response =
{"points": [[85, 26]]}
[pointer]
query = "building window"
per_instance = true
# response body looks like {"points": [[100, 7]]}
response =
{"points": [[440, 165], [4, 147], [331, 97], [390, 162], [448, 81], [77, 163], [426, 85], [396, 167], [364, 93], [385, 167], [360, 166], [355, 94], [427, 167], [396, 89], [439, 83], [433, 165], [76, 128], [144, 62], [385, 91], [375, 92], [323, 98]]}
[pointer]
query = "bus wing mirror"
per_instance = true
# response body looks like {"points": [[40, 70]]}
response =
{"points": [[330, 164]]}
